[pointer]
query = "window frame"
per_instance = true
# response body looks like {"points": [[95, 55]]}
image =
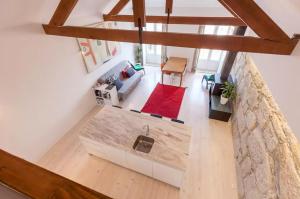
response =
{"points": [[215, 32]]}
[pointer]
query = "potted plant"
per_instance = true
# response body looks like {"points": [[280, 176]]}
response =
{"points": [[228, 92], [138, 54]]}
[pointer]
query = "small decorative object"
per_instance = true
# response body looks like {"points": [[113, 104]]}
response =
{"points": [[100, 101], [106, 94], [110, 80], [228, 92]]}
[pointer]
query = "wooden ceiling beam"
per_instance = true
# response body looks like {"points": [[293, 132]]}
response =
{"points": [[230, 21], [296, 36], [252, 15], [62, 12], [139, 16], [169, 6], [230, 43], [229, 9], [118, 7]]}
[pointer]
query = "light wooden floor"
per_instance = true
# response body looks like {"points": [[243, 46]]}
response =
{"points": [[211, 172]]}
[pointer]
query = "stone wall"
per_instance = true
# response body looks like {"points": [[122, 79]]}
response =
{"points": [[267, 152]]}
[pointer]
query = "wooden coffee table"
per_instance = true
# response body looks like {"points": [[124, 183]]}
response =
{"points": [[175, 65]]}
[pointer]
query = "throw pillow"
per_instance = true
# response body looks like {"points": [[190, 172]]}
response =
{"points": [[130, 72], [124, 72], [118, 83]]}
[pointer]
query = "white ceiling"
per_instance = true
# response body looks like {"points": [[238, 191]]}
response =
{"points": [[184, 3], [91, 7]]}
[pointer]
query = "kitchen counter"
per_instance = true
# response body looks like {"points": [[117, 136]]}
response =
{"points": [[119, 128]]}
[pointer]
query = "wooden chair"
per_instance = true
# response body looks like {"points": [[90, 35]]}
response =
{"points": [[117, 106], [139, 67], [162, 66], [155, 115], [178, 121], [135, 111], [209, 78]]}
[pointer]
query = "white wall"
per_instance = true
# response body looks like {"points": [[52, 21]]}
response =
{"points": [[282, 72], [45, 89]]}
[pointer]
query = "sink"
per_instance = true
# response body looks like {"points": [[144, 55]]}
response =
{"points": [[143, 144]]}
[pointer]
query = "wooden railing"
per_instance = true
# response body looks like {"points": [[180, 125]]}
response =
{"points": [[39, 183]]}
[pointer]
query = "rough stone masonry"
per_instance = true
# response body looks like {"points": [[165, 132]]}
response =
{"points": [[267, 152]]}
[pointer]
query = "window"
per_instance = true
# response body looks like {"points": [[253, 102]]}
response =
{"points": [[209, 29], [153, 49], [223, 30], [149, 27], [218, 30], [214, 55], [152, 53], [211, 60], [204, 53]]}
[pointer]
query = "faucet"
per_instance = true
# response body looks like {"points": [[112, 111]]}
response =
{"points": [[147, 128]]}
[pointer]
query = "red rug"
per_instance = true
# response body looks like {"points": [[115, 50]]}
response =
{"points": [[165, 100]]}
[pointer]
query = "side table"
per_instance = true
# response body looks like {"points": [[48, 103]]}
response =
{"points": [[219, 111]]}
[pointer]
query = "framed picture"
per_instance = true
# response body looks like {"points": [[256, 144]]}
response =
{"points": [[97, 52], [112, 46]]}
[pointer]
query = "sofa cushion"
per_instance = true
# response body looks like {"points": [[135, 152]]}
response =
{"points": [[118, 83], [116, 70], [130, 72], [124, 72], [128, 85]]}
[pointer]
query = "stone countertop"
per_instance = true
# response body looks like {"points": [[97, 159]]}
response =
{"points": [[120, 128]]}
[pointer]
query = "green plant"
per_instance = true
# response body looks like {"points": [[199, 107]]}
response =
{"points": [[138, 53], [229, 90]]}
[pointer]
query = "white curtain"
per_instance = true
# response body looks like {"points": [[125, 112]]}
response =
{"points": [[164, 48]]}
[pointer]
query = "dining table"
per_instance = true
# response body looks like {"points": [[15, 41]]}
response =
{"points": [[175, 65]]}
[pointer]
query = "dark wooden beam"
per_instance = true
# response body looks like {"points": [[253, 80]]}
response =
{"points": [[139, 13], [230, 21], [296, 36], [118, 7], [230, 43], [169, 6], [37, 183], [229, 9], [231, 56], [252, 15], [62, 12]]}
